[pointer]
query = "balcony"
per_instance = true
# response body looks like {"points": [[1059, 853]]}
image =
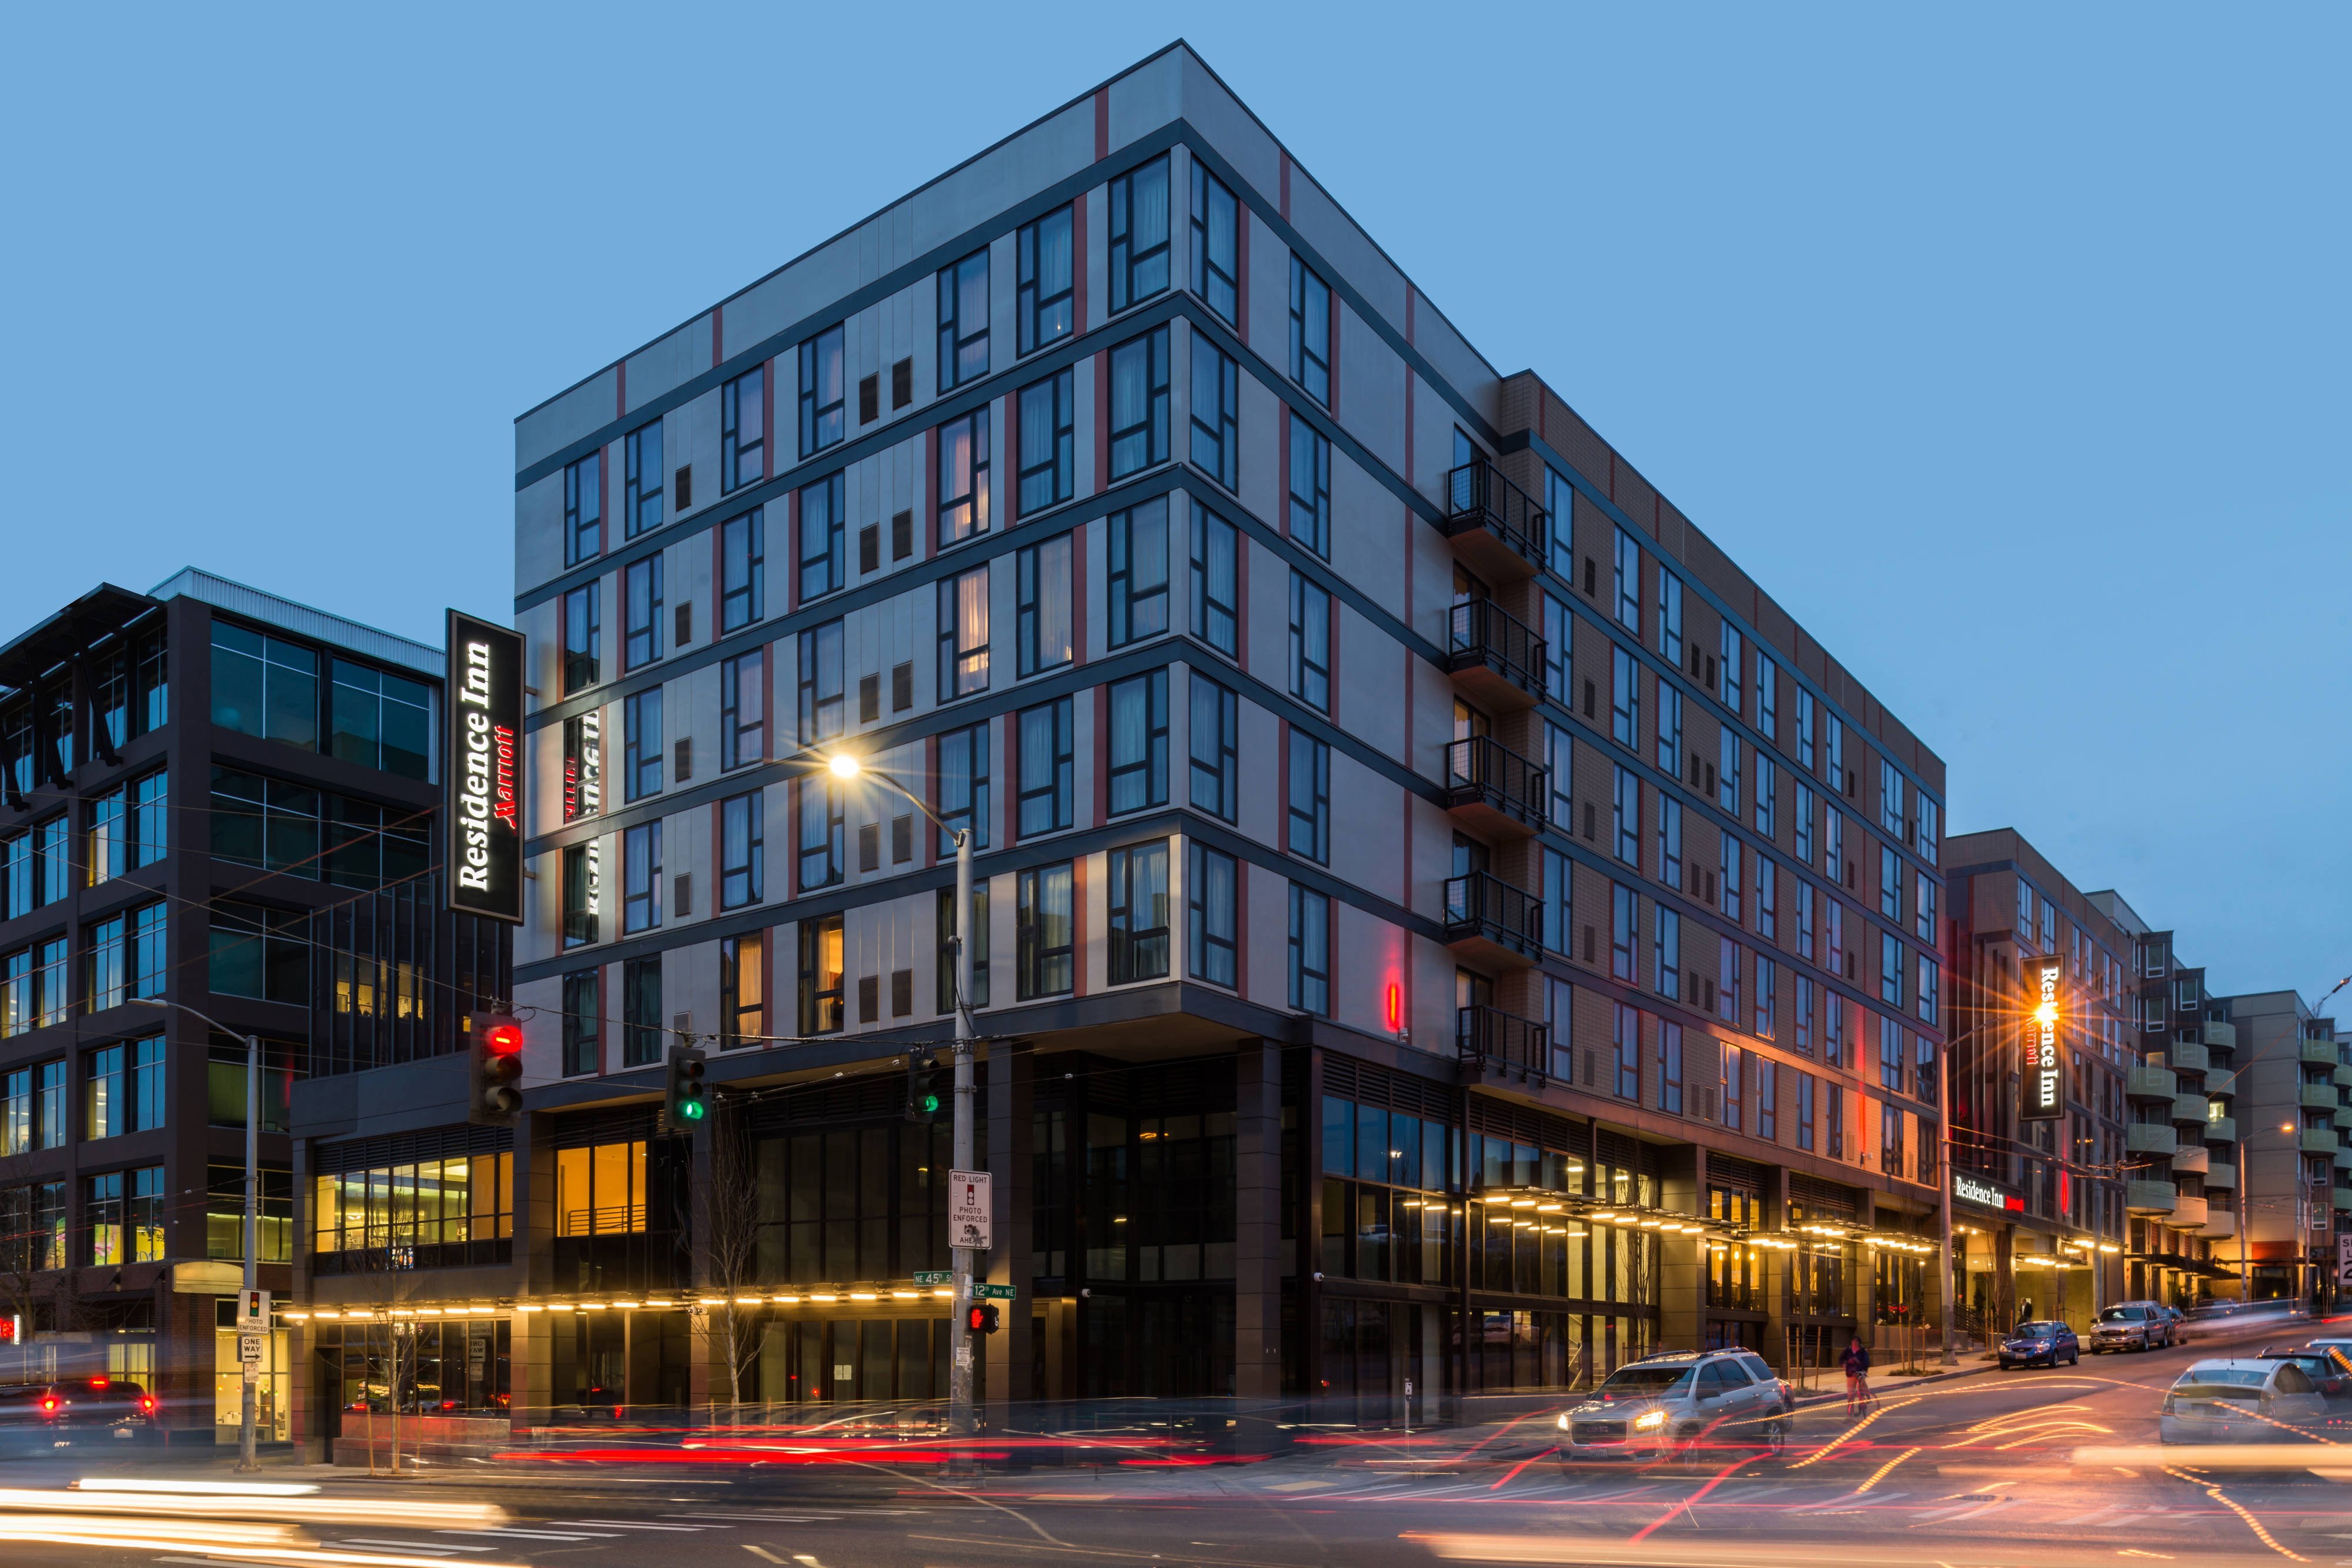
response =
{"points": [[2150, 1083], [2342, 1198], [1498, 659], [2188, 1056], [1487, 917], [1496, 527], [1494, 787], [2150, 1197], [2322, 1051], [2221, 1175], [2220, 1129], [2151, 1138], [2188, 1212], [1490, 1041], [2344, 1159], [2188, 1108], [2318, 1097], [2221, 1084], [2219, 1224], [2319, 1141], [2343, 1117], [2192, 1161], [2220, 1036]]}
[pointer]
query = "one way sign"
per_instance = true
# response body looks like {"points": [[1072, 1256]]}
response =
{"points": [[968, 1217]]}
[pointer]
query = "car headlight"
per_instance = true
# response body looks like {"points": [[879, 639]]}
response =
{"points": [[1563, 1421], [1650, 1423]]}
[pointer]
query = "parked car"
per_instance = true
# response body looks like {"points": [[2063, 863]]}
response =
{"points": [[2131, 1325], [98, 1410], [1662, 1405], [2179, 1320], [2049, 1343], [2239, 1400]]}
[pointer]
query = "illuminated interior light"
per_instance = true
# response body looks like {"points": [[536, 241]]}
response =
{"points": [[822, 1299], [626, 1306], [1549, 1208], [527, 1307], [905, 1295]]}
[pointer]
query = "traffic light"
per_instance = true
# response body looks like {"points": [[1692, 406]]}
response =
{"points": [[981, 1317], [923, 1087], [495, 1082], [683, 1106]]}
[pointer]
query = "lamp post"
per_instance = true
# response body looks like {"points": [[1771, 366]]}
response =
{"points": [[844, 765], [245, 1461]]}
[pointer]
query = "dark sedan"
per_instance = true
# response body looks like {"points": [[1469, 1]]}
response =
{"points": [[2327, 1368], [2051, 1344]]}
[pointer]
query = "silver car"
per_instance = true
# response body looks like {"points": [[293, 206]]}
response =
{"points": [[2240, 1401], [2131, 1325], [1662, 1405]]}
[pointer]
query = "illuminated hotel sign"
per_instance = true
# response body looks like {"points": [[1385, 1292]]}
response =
{"points": [[2040, 1070], [583, 796], [482, 771], [1985, 1194]]}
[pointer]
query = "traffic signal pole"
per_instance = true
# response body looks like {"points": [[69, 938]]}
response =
{"points": [[960, 1411]]}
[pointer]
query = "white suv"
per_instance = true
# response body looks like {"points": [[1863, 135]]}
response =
{"points": [[1665, 1404], [2132, 1325]]}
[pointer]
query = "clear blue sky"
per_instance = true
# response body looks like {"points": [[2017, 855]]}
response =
{"points": [[2006, 346]]}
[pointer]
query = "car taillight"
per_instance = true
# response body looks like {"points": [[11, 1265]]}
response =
{"points": [[48, 1406], [2168, 1404], [147, 1405]]}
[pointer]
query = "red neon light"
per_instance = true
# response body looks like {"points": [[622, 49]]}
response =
{"points": [[1393, 1006]]}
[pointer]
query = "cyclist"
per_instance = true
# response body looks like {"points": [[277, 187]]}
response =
{"points": [[1857, 1377]]}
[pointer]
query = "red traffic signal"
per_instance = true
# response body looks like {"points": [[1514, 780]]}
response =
{"points": [[981, 1317], [503, 1038], [495, 1092]]}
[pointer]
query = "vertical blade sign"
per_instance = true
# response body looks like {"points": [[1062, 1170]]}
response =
{"points": [[482, 771], [2041, 1073]]}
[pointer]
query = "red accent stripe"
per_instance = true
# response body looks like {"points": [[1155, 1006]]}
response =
{"points": [[1282, 474], [792, 548], [1102, 122], [1286, 187], [1101, 454], [1102, 754], [1078, 264], [620, 388], [1079, 596], [717, 342]]}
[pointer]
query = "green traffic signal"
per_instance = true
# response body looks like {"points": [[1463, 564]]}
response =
{"points": [[691, 1110], [930, 1104]]}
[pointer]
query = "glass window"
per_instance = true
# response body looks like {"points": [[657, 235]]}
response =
{"points": [[380, 720], [963, 477], [1768, 998], [963, 785], [1215, 725], [1310, 642], [103, 981], [1210, 900], [1558, 629], [642, 459], [1625, 815], [265, 686], [254, 952], [1729, 1070], [822, 860], [641, 732], [583, 1009], [1767, 698], [1045, 767], [1042, 629], [584, 509], [1310, 332], [1048, 468], [1670, 1068], [1042, 920], [963, 634], [1310, 797], [1216, 412], [582, 637], [1890, 968], [744, 430], [1559, 763], [582, 891], [743, 709], [641, 591], [1310, 951], [1726, 787], [741, 851], [822, 383], [743, 570], [1804, 730], [640, 1012], [1139, 403], [1139, 912], [822, 710], [1216, 591], [1728, 683], [1727, 984], [1625, 699], [1624, 921], [1668, 948], [1559, 905], [821, 529], [1310, 488], [1138, 233], [149, 828], [1138, 572], [963, 320], [1215, 244], [1045, 299], [1670, 840], [641, 879], [53, 859], [1628, 584], [1139, 742], [1626, 1037]]}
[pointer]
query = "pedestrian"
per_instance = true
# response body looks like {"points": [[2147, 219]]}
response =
{"points": [[1857, 1377]]}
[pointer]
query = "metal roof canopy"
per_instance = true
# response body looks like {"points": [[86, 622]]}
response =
{"points": [[104, 610]]}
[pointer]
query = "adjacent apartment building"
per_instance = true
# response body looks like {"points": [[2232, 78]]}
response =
{"points": [[2296, 1144], [185, 776], [1439, 920]]}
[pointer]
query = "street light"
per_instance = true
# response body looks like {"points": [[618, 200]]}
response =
{"points": [[245, 1455], [846, 766]]}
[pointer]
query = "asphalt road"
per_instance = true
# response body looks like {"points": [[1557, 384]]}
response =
{"points": [[1968, 1472]]}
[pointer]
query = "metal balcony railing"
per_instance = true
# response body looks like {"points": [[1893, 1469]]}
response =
{"points": [[1482, 634], [1479, 498], [1481, 906], [1493, 1040], [1483, 771]]}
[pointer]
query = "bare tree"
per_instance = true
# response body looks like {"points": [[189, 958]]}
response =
{"points": [[387, 1287], [730, 1214]]}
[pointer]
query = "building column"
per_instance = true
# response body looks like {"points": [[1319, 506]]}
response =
{"points": [[1009, 1142], [1682, 1270], [1257, 1220], [531, 1394]]}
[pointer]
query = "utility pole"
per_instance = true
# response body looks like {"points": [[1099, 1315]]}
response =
{"points": [[960, 1423]]}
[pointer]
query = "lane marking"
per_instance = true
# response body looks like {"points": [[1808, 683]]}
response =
{"points": [[537, 1534], [1880, 1473], [763, 1552], [626, 1524], [434, 1547]]}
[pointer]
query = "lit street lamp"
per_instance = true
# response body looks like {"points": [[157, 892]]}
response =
{"points": [[245, 1455], [844, 765]]}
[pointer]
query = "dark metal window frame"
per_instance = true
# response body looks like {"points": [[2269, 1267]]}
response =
{"points": [[823, 421], [1149, 688], [743, 454], [957, 335], [641, 501]]}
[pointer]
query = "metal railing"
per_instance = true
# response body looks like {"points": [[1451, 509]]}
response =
{"points": [[1481, 631], [1481, 770], [1480, 903], [1478, 497], [1489, 1038]]}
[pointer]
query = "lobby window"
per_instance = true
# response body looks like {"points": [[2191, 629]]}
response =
{"points": [[379, 720], [1216, 549], [743, 709], [1046, 772], [1625, 699], [1138, 233], [1310, 797], [1624, 912], [744, 430], [640, 1012], [581, 894], [1137, 579], [641, 878], [1139, 742], [641, 743], [1041, 616], [823, 707], [742, 853], [265, 686], [822, 383], [1310, 488], [944, 914], [1211, 891], [1625, 1035], [1310, 332], [644, 478], [963, 785], [584, 509], [963, 322], [583, 1023], [1045, 299], [963, 634], [1310, 951], [742, 990], [1216, 414], [1625, 815], [1215, 244], [1670, 1068], [1048, 465], [1139, 912], [743, 570], [963, 492], [640, 593], [1042, 922], [583, 634], [822, 859], [1215, 725], [822, 991], [1310, 642], [822, 531], [1139, 403]]}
